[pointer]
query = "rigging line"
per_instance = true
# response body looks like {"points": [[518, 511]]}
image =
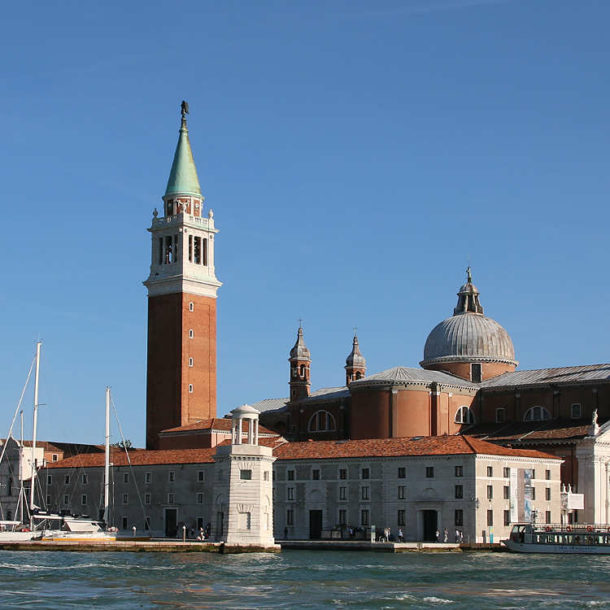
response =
{"points": [[10, 432], [135, 482]]}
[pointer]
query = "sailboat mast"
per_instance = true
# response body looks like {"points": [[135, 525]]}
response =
{"points": [[107, 462], [35, 427], [21, 473]]}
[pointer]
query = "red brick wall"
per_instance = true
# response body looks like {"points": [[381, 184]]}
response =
{"points": [[462, 369], [168, 401]]}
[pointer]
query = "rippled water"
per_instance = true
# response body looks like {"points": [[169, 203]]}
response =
{"points": [[303, 579]]}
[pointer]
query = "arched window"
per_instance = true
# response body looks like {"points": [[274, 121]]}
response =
{"points": [[464, 416], [321, 421], [358, 375], [537, 414]]}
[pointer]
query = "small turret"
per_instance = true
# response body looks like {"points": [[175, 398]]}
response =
{"points": [[355, 364], [468, 297], [300, 361]]}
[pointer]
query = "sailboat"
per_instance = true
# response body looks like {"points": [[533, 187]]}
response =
{"points": [[80, 529]]}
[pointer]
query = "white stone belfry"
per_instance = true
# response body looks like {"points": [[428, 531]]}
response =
{"points": [[243, 487]]}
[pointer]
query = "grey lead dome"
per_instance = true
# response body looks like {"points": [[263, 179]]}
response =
{"points": [[468, 334]]}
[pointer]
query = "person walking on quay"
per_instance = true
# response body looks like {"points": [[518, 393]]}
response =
{"points": [[446, 535], [438, 536], [457, 535], [400, 536]]}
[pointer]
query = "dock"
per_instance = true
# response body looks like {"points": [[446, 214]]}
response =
{"points": [[138, 546], [194, 546]]}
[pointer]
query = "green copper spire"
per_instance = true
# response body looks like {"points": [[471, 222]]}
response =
{"points": [[183, 178]]}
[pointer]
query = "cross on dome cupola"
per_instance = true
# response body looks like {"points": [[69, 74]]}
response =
{"points": [[468, 297]]}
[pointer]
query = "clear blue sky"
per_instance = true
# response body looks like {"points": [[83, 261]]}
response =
{"points": [[357, 156]]}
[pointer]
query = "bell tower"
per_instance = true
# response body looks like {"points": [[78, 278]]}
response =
{"points": [[182, 287], [300, 361]]}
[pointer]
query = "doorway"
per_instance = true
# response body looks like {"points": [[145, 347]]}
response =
{"points": [[430, 522], [171, 521], [315, 524]]}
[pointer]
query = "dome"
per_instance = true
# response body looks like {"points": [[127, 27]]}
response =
{"points": [[471, 337], [468, 335]]}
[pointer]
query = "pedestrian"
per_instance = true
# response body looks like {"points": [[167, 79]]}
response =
{"points": [[400, 536], [457, 535], [438, 536], [446, 535], [461, 536]]}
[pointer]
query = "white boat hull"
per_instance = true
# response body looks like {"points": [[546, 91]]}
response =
{"points": [[581, 549]]}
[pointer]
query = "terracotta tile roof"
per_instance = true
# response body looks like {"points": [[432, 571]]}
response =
{"points": [[550, 430], [222, 424], [139, 457], [395, 447]]}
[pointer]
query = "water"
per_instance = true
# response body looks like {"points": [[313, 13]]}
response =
{"points": [[303, 579]]}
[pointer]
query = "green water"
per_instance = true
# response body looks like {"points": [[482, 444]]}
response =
{"points": [[303, 579]]}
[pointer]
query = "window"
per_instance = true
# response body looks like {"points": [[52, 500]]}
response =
{"points": [[124, 523], [146, 498], [459, 471], [429, 472], [48, 500], [364, 493], [290, 517], [366, 473], [191, 306], [55, 457], [507, 492], [490, 471], [147, 523], [459, 491], [200, 476], [148, 477], [547, 494], [537, 414], [190, 388], [125, 498], [191, 333], [171, 498], [321, 421], [190, 362], [575, 410], [402, 472], [506, 472], [476, 373], [547, 475], [84, 479], [199, 498], [266, 475], [400, 520], [342, 516], [490, 518], [172, 476], [343, 473], [290, 493], [533, 474], [245, 475], [83, 499], [66, 500], [500, 415], [401, 492], [125, 477], [67, 480], [49, 480], [506, 517], [342, 493], [464, 416], [290, 475], [459, 517], [548, 517], [533, 493], [490, 492], [364, 517], [315, 474]]}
